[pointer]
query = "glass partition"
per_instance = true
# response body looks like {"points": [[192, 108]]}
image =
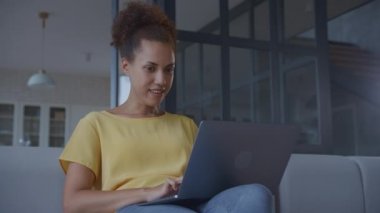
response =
{"points": [[198, 16], [300, 96], [250, 85], [249, 19], [299, 22], [198, 80]]}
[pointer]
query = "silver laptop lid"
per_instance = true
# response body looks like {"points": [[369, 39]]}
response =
{"points": [[227, 154]]}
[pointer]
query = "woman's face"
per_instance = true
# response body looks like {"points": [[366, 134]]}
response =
{"points": [[151, 73]]}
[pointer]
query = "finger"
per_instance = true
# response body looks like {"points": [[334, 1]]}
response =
{"points": [[179, 179], [172, 183]]}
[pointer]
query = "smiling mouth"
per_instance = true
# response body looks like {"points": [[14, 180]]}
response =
{"points": [[157, 91]]}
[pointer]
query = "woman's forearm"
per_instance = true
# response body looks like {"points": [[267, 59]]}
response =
{"points": [[79, 196], [82, 201]]}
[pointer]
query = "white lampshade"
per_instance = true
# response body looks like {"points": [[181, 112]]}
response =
{"points": [[40, 79]]}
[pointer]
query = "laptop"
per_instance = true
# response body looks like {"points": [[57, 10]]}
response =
{"points": [[228, 154]]}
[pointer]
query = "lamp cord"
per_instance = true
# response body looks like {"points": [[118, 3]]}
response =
{"points": [[43, 47], [44, 16]]}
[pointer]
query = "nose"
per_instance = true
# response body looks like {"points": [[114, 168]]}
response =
{"points": [[160, 78]]}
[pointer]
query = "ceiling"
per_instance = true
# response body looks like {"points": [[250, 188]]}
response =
{"points": [[77, 36]]}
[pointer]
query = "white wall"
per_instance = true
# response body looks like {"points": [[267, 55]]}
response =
{"points": [[124, 88]]}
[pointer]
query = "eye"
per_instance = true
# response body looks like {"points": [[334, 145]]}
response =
{"points": [[170, 69], [150, 68]]}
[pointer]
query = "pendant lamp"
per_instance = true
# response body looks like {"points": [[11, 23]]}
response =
{"points": [[41, 79]]}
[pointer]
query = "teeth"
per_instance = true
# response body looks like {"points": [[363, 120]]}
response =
{"points": [[157, 91]]}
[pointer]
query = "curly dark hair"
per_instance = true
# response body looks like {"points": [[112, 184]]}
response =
{"points": [[141, 21]]}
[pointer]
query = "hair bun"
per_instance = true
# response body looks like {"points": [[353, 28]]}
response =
{"points": [[136, 16]]}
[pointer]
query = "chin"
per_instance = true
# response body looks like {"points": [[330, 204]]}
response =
{"points": [[155, 101], [152, 103]]}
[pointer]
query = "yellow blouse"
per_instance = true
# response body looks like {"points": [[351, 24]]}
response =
{"points": [[131, 152]]}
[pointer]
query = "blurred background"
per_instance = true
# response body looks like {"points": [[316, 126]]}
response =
{"points": [[312, 63]]}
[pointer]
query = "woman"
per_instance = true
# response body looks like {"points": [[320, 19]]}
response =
{"points": [[136, 152]]}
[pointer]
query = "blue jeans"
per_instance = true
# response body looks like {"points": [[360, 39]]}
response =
{"points": [[251, 198]]}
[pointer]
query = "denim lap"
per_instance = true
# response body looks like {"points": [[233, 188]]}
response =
{"points": [[251, 198], [155, 208]]}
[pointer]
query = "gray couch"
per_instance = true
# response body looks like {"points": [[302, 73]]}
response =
{"points": [[31, 181], [331, 184]]}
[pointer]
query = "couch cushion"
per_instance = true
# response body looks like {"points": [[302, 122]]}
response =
{"points": [[370, 170], [31, 180], [321, 184]]}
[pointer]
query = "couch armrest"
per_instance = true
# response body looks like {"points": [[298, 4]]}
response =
{"points": [[321, 184], [370, 172]]}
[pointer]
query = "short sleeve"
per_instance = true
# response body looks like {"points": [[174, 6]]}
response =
{"points": [[191, 129], [194, 129], [83, 147]]}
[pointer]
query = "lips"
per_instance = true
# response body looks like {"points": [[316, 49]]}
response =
{"points": [[157, 91]]}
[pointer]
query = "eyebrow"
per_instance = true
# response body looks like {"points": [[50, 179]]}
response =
{"points": [[155, 64]]}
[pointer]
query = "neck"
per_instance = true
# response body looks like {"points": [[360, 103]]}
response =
{"points": [[132, 110]]}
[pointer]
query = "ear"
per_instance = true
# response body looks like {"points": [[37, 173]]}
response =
{"points": [[125, 66]]}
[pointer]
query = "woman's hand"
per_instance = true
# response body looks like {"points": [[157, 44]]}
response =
{"points": [[170, 187]]}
